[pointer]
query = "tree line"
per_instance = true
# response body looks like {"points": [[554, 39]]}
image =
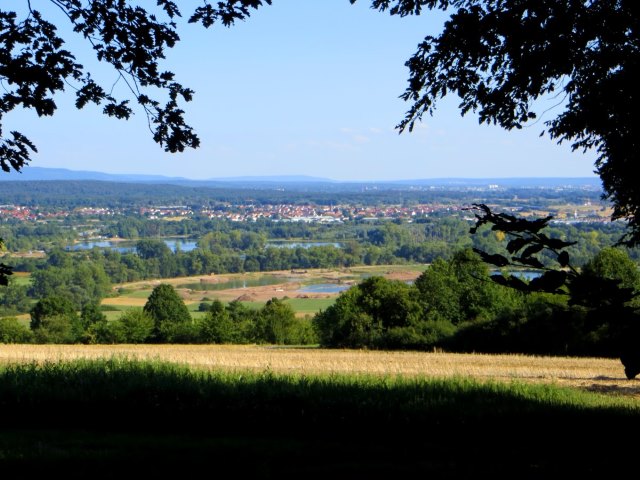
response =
{"points": [[87, 276], [454, 306], [164, 319]]}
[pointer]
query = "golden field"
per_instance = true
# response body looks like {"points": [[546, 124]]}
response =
{"points": [[595, 374]]}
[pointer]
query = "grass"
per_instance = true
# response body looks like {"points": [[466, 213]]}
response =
{"points": [[310, 306], [139, 294], [385, 269], [21, 278], [302, 306], [99, 415], [598, 374]]}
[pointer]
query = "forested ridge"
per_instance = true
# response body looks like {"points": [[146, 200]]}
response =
{"points": [[73, 193]]}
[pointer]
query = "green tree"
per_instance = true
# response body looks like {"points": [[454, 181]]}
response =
{"points": [[244, 320], [135, 325], [91, 314], [151, 248], [614, 264], [460, 290], [170, 315], [276, 323], [364, 315], [50, 307], [611, 321], [217, 325], [58, 329], [14, 298], [345, 324], [83, 282]]}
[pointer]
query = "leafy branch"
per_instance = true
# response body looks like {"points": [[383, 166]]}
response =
{"points": [[526, 242]]}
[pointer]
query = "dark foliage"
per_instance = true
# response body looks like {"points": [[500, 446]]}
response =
{"points": [[501, 57], [35, 65], [606, 295]]}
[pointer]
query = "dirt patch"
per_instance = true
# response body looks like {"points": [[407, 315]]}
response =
{"points": [[125, 302], [29, 254], [258, 294], [404, 276], [247, 297]]}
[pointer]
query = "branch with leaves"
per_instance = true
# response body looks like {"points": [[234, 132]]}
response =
{"points": [[526, 241], [35, 65]]}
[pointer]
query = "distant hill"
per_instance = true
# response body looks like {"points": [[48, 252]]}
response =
{"points": [[302, 182], [41, 173]]}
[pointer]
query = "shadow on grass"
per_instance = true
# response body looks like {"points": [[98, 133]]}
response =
{"points": [[95, 417]]}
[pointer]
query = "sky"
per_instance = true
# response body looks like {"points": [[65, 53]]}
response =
{"points": [[302, 87]]}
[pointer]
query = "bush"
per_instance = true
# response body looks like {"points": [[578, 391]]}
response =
{"points": [[135, 325], [426, 335], [12, 331], [57, 329]]}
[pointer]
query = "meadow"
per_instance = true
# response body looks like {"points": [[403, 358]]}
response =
{"points": [[595, 374], [282, 413]]}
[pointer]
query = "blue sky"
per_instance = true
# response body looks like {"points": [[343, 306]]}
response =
{"points": [[304, 87]]}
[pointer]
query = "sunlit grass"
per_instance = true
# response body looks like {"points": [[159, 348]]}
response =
{"points": [[310, 306], [21, 278], [597, 374]]}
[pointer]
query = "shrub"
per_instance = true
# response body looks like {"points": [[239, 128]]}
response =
{"points": [[12, 331]]}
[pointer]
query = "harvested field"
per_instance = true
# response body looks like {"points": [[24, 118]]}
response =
{"points": [[125, 302], [595, 374]]}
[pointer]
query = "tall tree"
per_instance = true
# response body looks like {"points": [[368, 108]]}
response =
{"points": [[168, 311]]}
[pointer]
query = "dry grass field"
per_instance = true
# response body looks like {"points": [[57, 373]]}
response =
{"points": [[594, 374]]}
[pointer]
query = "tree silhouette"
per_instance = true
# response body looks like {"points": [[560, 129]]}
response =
{"points": [[35, 65], [606, 286], [499, 57]]}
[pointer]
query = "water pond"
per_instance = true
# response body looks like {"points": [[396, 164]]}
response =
{"points": [[185, 245], [285, 244], [324, 288], [523, 274], [234, 283]]}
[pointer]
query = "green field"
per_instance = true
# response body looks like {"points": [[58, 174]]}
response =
{"points": [[310, 306], [21, 279], [98, 417]]}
